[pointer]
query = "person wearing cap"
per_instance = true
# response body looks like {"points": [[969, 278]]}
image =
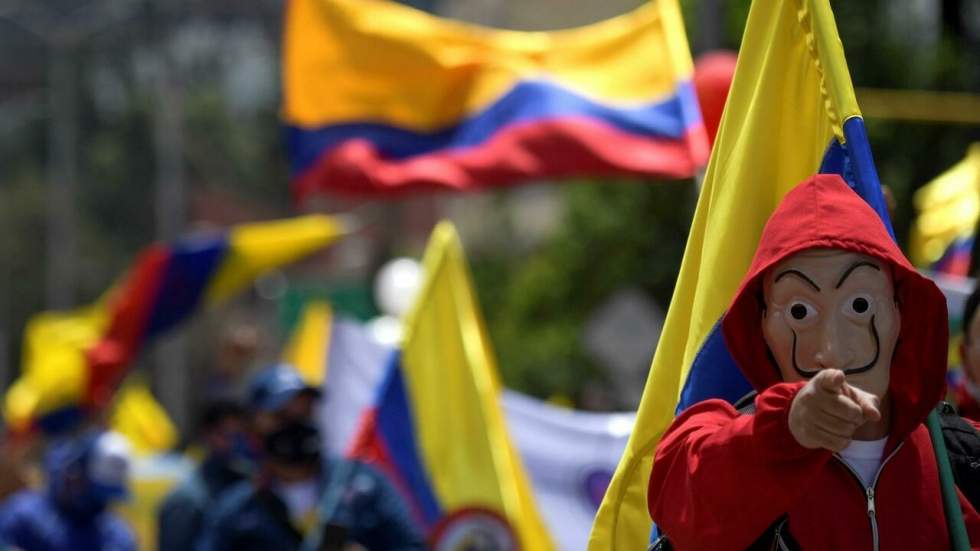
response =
{"points": [[228, 459], [85, 474], [301, 500], [278, 395]]}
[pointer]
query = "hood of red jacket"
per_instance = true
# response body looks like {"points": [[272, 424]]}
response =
{"points": [[823, 212]]}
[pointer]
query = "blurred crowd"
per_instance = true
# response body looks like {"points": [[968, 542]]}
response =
{"points": [[262, 481]]}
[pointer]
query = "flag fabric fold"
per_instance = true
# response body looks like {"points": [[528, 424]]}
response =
{"points": [[380, 98], [437, 427], [75, 361], [791, 112]]}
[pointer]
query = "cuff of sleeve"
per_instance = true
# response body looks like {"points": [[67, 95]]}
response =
{"points": [[771, 424]]}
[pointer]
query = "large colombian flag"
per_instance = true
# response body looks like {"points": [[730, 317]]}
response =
{"points": [[74, 361], [380, 98], [791, 97], [437, 427]]}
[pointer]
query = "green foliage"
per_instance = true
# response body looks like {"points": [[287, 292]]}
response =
{"points": [[613, 235], [21, 224], [114, 197], [239, 154]]}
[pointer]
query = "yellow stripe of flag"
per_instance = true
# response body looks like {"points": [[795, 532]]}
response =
{"points": [[307, 349], [254, 249], [380, 61]]}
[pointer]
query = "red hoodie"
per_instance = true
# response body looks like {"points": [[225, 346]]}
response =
{"points": [[720, 479]]}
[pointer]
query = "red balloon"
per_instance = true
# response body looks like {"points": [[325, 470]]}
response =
{"points": [[713, 72]]}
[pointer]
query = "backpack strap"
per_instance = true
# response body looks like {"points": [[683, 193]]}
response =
{"points": [[963, 447], [746, 404], [662, 543]]}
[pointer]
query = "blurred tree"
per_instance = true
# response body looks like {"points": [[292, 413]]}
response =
{"points": [[232, 152], [612, 236]]}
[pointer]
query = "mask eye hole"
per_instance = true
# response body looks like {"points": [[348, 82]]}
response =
{"points": [[860, 306], [800, 312]]}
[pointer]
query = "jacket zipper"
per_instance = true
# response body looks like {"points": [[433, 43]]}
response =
{"points": [[779, 536], [869, 492]]}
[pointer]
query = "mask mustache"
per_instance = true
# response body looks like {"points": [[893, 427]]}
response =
{"points": [[808, 374]]}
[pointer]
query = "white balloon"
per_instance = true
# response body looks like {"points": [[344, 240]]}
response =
{"points": [[396, 285], [386, 330]]}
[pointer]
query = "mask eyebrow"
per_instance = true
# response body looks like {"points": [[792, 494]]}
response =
{"points": [[853, 267], [798, 274]]}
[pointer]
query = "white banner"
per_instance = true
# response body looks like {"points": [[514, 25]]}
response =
{"points": [[569, 455]]}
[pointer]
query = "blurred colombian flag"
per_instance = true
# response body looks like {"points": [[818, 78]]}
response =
{"points": [[383, 98], [74, 361], [949, 208], [437, 427], [791, 113]]}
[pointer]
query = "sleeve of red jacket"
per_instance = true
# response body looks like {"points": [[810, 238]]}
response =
{"points": [[720, 478], [971, 516]]}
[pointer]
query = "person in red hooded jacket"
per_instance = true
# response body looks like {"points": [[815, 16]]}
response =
{"points": [[846, 345]]}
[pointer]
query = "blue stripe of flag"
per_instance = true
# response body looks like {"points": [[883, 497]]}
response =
{"points": [[397, 432], [529, 101], [193, 262]]}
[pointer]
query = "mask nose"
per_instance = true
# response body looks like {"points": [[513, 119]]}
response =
{"points": [[833, 351]]}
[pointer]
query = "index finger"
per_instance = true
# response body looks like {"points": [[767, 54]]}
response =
{"points": [[829, 380]]}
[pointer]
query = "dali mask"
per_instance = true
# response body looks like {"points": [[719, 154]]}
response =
{"points": [[832, 309]]}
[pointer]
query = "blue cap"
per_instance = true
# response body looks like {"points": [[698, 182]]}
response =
{"points": [[273, 387], [109, 465], [104, 460]]}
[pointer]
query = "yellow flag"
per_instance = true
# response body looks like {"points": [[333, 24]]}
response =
{"points": [[257, 248], [55, 369], [308, 345], [137, 416], [453, 394], [949, 207], [790, 96]]}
